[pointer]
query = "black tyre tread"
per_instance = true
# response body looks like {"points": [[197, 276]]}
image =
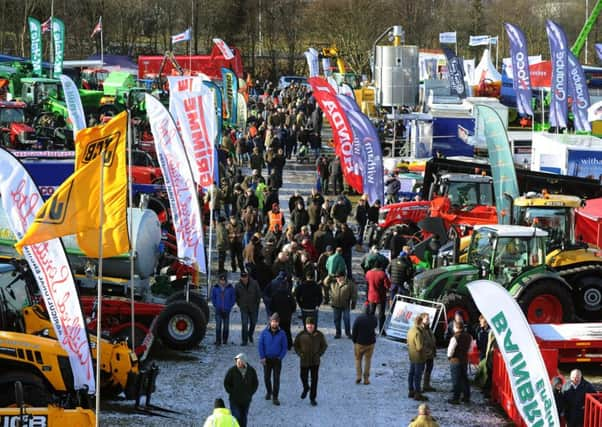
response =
{"points": [[35, 391], [198, 319], [195, 298], [552, 288], [587, 280]]}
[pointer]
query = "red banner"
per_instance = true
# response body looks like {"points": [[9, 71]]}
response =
{"points": [[341, 129], [541, 74]]}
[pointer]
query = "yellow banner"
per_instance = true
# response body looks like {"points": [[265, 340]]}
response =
{"points": [[74, 208]]}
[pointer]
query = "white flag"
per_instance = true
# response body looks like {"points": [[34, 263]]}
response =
{"points": [[527, 372], [479, 41], [449, 37], [21, 201], [182, 37], [179, 182], [224, 48], [74, 104]]}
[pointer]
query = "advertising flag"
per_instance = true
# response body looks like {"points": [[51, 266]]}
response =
{"points": [[74, 207], [217, 96], [527, 373], [579, 93], [479, 41], [195, 114], [182, 37], [48, 263], [342, 131], [326, 66], [599, 51], [179, 182], [365, 138], [312, 62], [35, 34], [448, 38], [455, 72], [74, 104], [58, 37], [242, 113], [224, 48], [559, 85], [230, 88], [520, 69], [97, 28]]}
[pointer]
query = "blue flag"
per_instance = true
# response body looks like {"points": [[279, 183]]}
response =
{"points": [[599, 51], [520, 69], [455, 71], [559, 55], [579, 94]]}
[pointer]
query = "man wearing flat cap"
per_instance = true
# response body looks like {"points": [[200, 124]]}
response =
{"points": [[241, 384], [310, 345], [272, 347]]}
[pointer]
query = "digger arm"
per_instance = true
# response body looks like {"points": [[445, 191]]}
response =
{"points": [[587, 27]]}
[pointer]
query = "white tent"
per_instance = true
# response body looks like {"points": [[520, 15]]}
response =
{"points": [[485, 70]]}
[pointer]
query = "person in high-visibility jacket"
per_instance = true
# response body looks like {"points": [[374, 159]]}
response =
{"points": [[275, 217]]}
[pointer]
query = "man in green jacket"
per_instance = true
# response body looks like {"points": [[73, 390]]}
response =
{"points": [[241, 384], [416, 351], [221, 416], [310, 345]]}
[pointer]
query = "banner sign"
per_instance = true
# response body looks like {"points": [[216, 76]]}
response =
{"points": [[559, 55], [342, 131], [74, 104], [58, 37], [184, 84], [224, 48], [35, 35], [529, 379], [195, 114], [579, 94], [48, 262], [455, 72], [326, 66], [520, 69], [179, 183], [448, 38], [405, 310], [479, 41], [230, 89], [182, 37], [242, 113], [217, 96]]}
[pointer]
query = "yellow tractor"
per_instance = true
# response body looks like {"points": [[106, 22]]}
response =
{"points": [[31, 354]]}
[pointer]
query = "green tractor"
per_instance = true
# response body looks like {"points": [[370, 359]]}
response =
{"points": [[121, 92], [512, 255]]}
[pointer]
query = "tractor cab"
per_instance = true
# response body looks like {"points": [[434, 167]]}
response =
{"points": [[14, 130], [93, 78], [465, 191], [36, 90], [503, 252]]}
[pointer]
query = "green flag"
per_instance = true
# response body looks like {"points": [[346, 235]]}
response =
{"points": [[58, 37], [35, 34]]}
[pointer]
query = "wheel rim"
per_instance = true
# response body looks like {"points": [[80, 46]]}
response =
{"points": [[592, 298], [180, 327], [545, 309]]}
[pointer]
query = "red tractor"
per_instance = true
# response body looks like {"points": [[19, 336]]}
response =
{"points": [[16, 133]]}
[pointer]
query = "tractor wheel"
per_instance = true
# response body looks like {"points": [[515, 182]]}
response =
{"points": [[195, 297], [456, 302], [35, 392], [547, 302], [587, 297], [385, 239], [181, 325], [125, 334]]}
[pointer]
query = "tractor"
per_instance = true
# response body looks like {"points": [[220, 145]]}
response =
{"points": [[16, 133]]}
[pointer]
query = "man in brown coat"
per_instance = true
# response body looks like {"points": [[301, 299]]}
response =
{"points": [[416, 351], [310, 345]]}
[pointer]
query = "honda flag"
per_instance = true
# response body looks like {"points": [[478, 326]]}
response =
{"points": [[179, 183], [448, 38], [579, 93], [224, 48], [455, 72], [520, 69], [342, 131], [527, 374], [48, 262], [74, 104], [558, 53]]}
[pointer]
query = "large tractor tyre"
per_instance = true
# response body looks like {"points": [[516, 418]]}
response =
{"points": [[181, 325], [384, 240], [125, 334], [35, 392], [453, 303], [195, 297], [587, 297], [547, 302]]}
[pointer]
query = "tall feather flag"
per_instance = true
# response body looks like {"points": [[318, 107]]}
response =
{"points": [[35, 31], [579, 94], [74, 208], [520, 69], [559, 55]]}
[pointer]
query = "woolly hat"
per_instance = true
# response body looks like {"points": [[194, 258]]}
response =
{"points": [[241, 356], [275, 316]]}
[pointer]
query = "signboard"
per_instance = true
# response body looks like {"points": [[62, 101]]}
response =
{"points": [[405, 309]]}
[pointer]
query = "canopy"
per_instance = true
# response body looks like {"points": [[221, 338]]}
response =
{"points": [[485, 70], [588, 223]]}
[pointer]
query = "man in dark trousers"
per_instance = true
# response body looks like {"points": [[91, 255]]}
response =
{"points": [[283, 303], [364, 339], [248, 297], [309, 297], [310, 345], [573, 395], [235, 234], [378, 287], [241, 384], [457, 354], [272, 349], [223, 297]]}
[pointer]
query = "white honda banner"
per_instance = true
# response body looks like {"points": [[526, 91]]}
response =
{"points": [[448, 38], [527, 372], [197, 122], [179, 182], [21, 201], [74, 104], [224, 48]]}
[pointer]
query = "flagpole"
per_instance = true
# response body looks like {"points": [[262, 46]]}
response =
{"points": [[102, 61], [131, 231], [51, 39], [210, 237], [99, 288], [497, 51]]}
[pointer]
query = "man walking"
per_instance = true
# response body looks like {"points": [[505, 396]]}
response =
{"points": [[272, 349], [248, 297], [417, 355], [457, 354], [573, 394], [378, 286], [310, 345], [241, 384], [364, 339], [223, 298], [309, 297], [343, 297], [221, 416]]}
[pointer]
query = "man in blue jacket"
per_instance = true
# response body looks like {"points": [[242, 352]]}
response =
{"points": [[273, 346], [223, 297]]}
